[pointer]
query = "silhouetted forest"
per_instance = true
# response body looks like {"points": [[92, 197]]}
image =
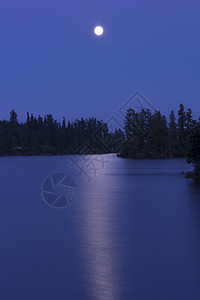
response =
{"points": [[193, 155], [151, 135], [47, 136], [145, 134]]}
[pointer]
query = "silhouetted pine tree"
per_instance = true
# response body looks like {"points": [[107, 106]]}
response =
{"points": [[173, 143], [181, 131], [193, 155]]}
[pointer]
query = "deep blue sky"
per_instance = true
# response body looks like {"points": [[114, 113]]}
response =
{"points": [[51, 62]]}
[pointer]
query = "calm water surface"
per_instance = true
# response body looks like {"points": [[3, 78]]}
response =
{"points": [[133, 231]]}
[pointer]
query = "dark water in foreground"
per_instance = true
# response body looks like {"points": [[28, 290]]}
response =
{"points": [[132, 233]]}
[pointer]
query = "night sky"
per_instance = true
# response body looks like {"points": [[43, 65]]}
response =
{"points": [[51, 61]]}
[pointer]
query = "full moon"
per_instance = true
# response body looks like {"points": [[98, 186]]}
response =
{"points": [[98, 30]]}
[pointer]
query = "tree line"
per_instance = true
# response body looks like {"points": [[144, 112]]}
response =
{"points": [[151, 135], [47, 136], [145, 134]]}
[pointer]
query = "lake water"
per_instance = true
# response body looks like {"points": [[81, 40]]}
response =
{"points": [[133, 231]]}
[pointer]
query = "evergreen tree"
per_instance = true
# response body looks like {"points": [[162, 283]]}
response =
{"points": [[193, 155], [13, 118], [172, 135], [181, 131], [158, 135]]}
